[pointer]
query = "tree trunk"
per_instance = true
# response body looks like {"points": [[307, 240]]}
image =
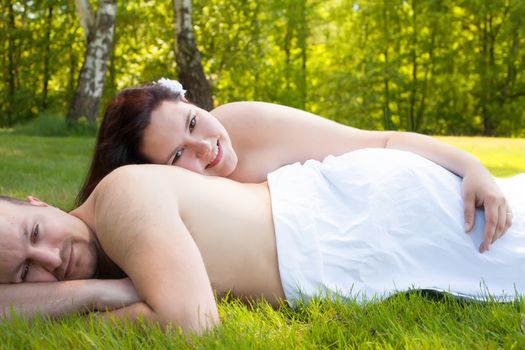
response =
{"points": [[303, 45], [412, 116], [11, 65], [85, 15], [86, 101], [488, 127], [387, 113], [188, 58], [47, 54], [428, 69]]}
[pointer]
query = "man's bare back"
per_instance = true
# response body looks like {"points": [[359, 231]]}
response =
{"points": [[235, 237]]}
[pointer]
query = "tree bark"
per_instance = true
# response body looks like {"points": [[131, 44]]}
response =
{"points": [[85, 15], [47, 54], [188, 57], [11, 71], [387, 113], [412, 116], [86, 101], [303, 45]]}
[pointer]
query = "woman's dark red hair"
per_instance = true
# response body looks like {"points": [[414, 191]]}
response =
{"points": [[121, 131]]}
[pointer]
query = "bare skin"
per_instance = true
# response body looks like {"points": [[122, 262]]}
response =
{"points": [[173, 237], [244, 141], [180, 239], [239, 255]]}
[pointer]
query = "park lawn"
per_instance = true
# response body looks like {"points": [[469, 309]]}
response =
{"points": [[53, 168]]}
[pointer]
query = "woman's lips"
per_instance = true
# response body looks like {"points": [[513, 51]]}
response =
{"points": [[217, 158]]}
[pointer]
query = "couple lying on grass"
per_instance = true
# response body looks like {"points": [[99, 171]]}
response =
{"points": [[161, 241]]}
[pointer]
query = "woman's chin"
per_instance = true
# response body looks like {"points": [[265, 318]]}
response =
{"points": [[225, 168]]}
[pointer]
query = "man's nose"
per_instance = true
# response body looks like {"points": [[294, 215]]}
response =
{"points": [[48, 258]]}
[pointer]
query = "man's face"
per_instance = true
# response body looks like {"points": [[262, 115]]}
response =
{"points": [[40, 243]]}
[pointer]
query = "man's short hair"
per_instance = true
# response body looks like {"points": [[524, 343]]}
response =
{"points": [[13, 200]]}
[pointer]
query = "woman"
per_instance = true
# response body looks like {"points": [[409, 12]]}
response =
{"points": [[245, 141]]}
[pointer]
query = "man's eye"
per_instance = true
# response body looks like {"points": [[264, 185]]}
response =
{"points": [[193, 123], [35, 233], [178, 154], [25, 271]]}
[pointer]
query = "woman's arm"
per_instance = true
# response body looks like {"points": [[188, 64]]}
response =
{"points": [[55, 299], [479, 188], [286, 135]]}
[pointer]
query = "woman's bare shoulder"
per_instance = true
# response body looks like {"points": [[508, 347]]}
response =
{"points": [[250, 110]]}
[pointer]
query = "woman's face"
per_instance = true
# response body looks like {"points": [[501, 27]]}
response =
{"points": [[185, 135]]}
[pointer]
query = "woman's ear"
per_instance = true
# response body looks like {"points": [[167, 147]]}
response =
{"points": [[36, 202], [183, 99]]}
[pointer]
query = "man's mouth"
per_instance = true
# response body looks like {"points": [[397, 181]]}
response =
{"points": [[69, 264], [216, 158]]}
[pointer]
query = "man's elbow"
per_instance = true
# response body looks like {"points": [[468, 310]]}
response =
{"points": [[190, 321]]}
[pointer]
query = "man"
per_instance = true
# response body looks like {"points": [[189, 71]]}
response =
{"points": [[180, 236]]}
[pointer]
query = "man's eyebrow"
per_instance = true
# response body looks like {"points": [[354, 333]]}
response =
{"points": [[187, 124]]}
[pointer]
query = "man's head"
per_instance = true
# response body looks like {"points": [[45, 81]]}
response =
{"points": [[40, 243]]}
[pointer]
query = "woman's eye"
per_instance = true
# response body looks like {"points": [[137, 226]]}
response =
{"points": [[25, 271], [35, 233], [193, 123], [178, 154]]}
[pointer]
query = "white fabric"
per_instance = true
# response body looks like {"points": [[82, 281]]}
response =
{"points": [[374, 222]]}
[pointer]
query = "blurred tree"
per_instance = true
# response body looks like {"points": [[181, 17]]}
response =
{"points": [[433, 66], [191, 73], [99, 40]]}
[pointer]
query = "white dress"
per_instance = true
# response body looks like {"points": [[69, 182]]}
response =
{"points": [[374, 222]]}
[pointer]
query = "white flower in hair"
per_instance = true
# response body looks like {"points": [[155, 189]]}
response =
{"points": [[173, 85]]}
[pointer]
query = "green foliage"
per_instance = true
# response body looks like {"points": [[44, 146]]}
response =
{"points": [[40, 58], [432, 66], [51, 123]]}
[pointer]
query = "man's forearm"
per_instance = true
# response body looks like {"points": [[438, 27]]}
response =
{"points": [[54, 299], [191, 323]]}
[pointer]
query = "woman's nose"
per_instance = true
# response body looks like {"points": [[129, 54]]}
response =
{"points": [[202, 148]]}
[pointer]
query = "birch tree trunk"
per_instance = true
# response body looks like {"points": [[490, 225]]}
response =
{"points": [[90, 86], [188, 58], [85, 15]]}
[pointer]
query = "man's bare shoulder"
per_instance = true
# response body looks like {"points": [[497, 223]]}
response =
{"points": [[131, 191], [129, 179]]}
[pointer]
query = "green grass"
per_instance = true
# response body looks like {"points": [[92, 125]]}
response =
{"points": [[53, 168], [502, 156]]}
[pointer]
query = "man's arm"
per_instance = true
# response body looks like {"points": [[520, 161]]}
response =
{"points": [[55, 299], [142, 232]]}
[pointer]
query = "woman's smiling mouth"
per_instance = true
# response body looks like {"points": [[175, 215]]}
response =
{"points": [[216, 158]]}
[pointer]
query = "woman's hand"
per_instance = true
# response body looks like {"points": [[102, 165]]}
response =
{"points": [[479, 189], [116, 294]]}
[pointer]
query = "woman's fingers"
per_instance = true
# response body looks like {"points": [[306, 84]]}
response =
{"points": [[498, 218], [469, 211], [491, 223]]}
